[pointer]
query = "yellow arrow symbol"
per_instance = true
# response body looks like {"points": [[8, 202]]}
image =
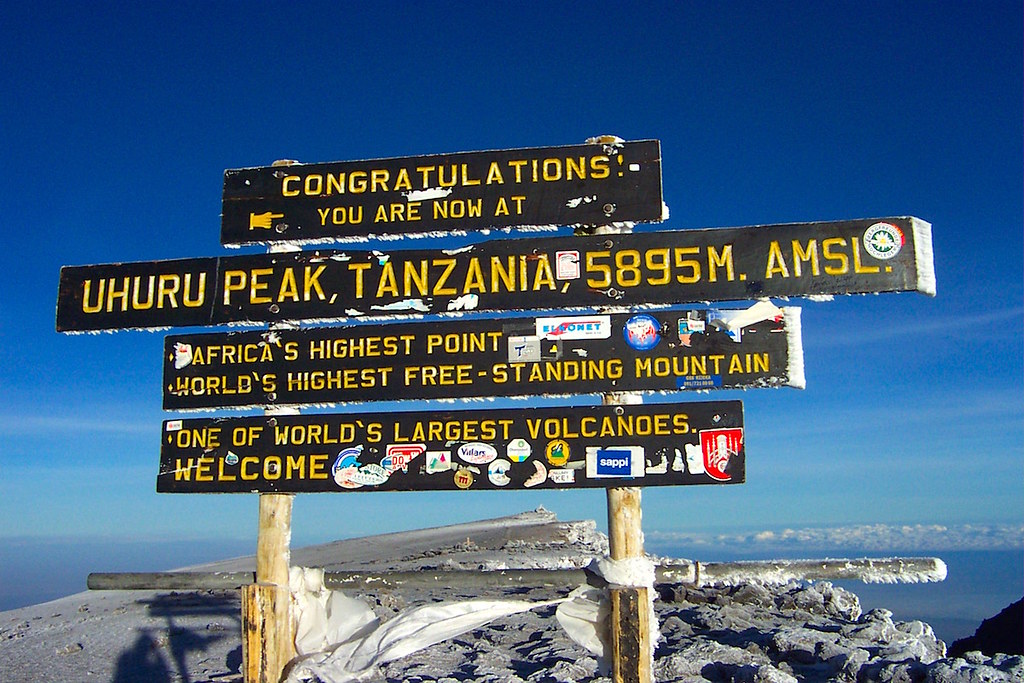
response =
{"points": [[262, 220]]}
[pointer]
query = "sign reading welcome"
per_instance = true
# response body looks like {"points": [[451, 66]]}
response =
{"points": [[513, 449]]}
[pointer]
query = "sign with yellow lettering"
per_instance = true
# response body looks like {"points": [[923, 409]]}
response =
{"points": [[663, 267], [585, 185], [661, 350], [564, 448]]}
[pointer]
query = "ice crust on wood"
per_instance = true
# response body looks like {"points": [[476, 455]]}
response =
{"points": [[924, 256]]}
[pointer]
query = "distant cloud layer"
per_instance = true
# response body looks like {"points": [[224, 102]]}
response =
{"points": [[980, 323], [33, 425], [873, 537]]}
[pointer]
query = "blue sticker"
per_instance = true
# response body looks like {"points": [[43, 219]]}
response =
{"points": [[642, 332], [612, 462], [347, 458]]}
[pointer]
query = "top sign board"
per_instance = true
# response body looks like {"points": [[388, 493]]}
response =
{"points": [[555, 273], [591, 184]]}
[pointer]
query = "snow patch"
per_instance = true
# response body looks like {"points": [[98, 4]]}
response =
{"points": [[924, 256], [573, 203], [794, 340], [466, 302], [404, 305], [427, 194], [460, 250], [631, 572]]}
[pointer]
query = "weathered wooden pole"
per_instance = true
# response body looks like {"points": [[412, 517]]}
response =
{"points": [[630, 615], [268, 641], [630, 627]]}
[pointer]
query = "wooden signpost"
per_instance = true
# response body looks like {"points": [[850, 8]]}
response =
{"points": [[656, 351], [621, 445]]}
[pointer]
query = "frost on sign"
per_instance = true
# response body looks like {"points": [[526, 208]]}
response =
{"points": [[592, 184]]}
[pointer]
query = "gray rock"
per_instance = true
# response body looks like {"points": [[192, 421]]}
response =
{"points": [[987, 670], [809, 633]]}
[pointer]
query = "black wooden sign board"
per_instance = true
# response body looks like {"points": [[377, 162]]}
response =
{"points": [[516, 449], [663, 267], [663, 351], [591, 184]]}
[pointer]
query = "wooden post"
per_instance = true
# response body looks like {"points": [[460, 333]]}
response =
{"points": [[630, 607], [630, 617], [268, 640], [272, 543], [266, 647]]}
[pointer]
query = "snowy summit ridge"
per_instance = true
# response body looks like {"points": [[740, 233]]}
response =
{"points": [[747, 632]]}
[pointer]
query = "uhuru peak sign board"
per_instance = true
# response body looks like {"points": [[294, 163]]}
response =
{"points": [[568, 354], [582, 447], [592, 184], [664, 267]]}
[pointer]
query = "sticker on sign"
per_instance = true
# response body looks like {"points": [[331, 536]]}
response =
{"points": [[615, 461], [575, 327]]}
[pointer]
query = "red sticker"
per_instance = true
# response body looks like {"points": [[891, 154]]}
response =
{"points": [[719, 447]]}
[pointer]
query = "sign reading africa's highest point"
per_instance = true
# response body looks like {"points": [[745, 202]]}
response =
{"points": [[587, 185], [664, 267], [663, 351]]}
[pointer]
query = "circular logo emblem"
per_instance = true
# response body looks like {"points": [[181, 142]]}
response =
{"points": [[496, 472], [557, 452], [518, 450], [642, 332], [463, 479], [883, 240], [231, 459]]}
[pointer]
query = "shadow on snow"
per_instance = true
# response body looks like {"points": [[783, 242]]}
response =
{"points": [[162, 655]]}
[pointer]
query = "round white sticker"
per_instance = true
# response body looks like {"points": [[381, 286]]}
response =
{"points": [[518, 450], [883, 240]]}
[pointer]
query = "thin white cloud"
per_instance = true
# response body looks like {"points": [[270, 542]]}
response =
{"points": [[51, 425], [917, 327], [864, 537], [994, 407]]}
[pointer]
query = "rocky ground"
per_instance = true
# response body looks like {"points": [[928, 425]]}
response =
{"points": [[793, 632]]}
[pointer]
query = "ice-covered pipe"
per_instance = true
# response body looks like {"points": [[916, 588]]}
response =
{"points": [[868, 570]]}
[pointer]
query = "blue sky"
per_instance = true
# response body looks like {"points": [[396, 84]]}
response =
{"points": [[118, 121]]}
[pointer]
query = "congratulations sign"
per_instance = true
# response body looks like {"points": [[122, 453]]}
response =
{"points": [[592, 184]]}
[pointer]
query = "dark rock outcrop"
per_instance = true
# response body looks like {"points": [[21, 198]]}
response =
{"points": [[1003, 633]]}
